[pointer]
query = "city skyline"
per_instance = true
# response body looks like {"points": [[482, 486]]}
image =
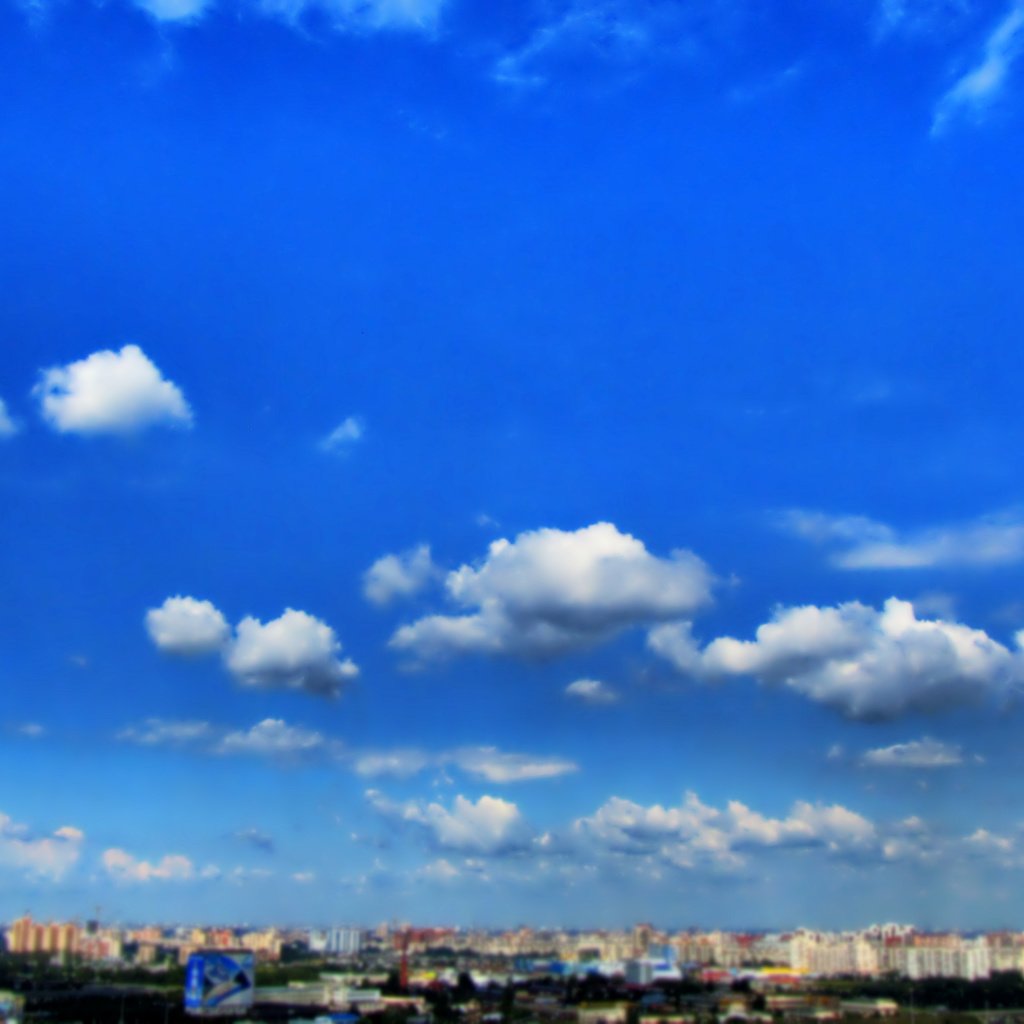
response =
{"points": [[551, 462]]}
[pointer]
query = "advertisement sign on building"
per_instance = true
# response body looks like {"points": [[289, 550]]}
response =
{"points": [[219, 981]]}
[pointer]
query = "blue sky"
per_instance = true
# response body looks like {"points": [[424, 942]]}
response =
{"points": [[552, 463]]}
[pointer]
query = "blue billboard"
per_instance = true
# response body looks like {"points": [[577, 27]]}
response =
{"points": [[219, 981]]}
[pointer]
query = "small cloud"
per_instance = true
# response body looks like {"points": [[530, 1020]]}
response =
{"points": [[79, 660], [591, 691], [399, 576], [121, 866], [341, 439], [868, 664], [159, 732], [31, 730], [45, 857], [836, 752], [110, 393], [440, 870], [550, 592], [398, 764], [862, 543], [975, 91], [295, 651], [493, 765], [181, 11], [255, 838], [187, 626], [272, 736], [304, 877], [8, 426], [923, 753], [489, 825]]}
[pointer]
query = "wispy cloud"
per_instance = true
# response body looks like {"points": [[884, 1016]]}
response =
{"points": [[975, 91], [923, 753], [8, 426], [859, 542], [591, 691], [347, 433]]}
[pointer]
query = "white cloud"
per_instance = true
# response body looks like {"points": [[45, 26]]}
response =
{"points": [[396, 763], [485, 762], [864, 543], [110, 392], [344, 435], [187, 626], [8, 427], [363, 15], [695, 834], [491, 764], [440, 870], [296, 651], [591, 691], [923, 753], [551, 591], [123, 867], [490, 825], [39, 857], [156, 732], [617, 33], [866, 663], [304, 877], [272, 736], [978, 88], [401, 575], [31, 730], [175, 10]]}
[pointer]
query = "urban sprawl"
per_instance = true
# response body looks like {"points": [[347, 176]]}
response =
{"points": [[398, 974]]}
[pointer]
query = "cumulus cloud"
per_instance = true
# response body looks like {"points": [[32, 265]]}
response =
{"points": [[971, 95], [272, 736], [110, 392], [401, 575], [295, 651], [8, 428], [591, 691], [493, 765], [868, 664], [158, 732], [923, 753], [187, 626], [39, 857], [551, 591], [696, 834], [490, 825], [344, 435], [863, 543], [121, 866]]}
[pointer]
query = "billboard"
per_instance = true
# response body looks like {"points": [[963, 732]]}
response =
{"points": [[219, 981]]}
